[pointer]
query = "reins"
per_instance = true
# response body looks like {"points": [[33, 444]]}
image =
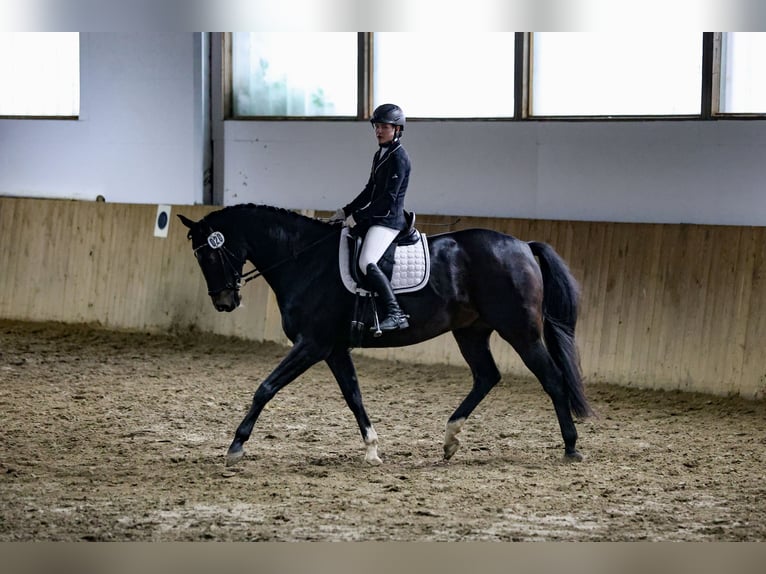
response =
{"points": [[255, 273], [216, 242]]}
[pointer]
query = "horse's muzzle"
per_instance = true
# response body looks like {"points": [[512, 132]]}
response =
{"points": [[226, 300]]}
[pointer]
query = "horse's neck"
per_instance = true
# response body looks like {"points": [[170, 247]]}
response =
{"points": [[268, 239], [274, 237]]}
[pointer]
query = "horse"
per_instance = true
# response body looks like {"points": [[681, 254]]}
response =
{"points": [[481, 281]]}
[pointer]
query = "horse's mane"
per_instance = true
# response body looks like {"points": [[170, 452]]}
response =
{"points": [[231, 209]]}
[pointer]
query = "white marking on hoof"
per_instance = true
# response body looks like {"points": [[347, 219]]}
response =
{"points": [[371, 441], [373, 459], [451, 442]]}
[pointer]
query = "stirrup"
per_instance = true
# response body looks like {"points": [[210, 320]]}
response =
{"points": [[393, 323]]}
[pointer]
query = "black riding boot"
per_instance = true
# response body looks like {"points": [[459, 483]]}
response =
{"points": [[395, 319]]}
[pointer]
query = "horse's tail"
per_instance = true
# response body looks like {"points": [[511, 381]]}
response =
{"points": [[560, 301]]}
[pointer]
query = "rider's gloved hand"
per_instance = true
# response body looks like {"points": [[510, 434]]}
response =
{"points": [[350, 221]]}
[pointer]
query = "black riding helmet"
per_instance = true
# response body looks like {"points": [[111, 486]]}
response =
{"points": [[389, 114]]}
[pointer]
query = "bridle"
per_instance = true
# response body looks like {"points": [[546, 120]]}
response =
{"points": [[216, 242]]}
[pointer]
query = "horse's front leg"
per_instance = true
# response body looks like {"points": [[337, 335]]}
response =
{"points": [[342, 366], [302, 356]]}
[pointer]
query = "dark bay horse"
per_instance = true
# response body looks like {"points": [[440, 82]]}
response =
{"points": [[481, 281]]}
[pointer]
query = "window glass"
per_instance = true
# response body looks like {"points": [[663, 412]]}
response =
{"points": [[294, 74], [445, 75], [638, 73], [40, 74], [743, 72]]}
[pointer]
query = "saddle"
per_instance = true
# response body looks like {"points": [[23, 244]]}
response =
{"points": [[406, 262]]}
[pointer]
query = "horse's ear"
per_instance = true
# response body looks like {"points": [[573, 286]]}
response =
{"points": [[186, 221]]}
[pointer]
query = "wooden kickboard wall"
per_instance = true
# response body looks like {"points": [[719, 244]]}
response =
{"points": [[663, 306]]}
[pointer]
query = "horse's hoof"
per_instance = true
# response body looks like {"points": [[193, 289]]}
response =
{"points": [[450, 449], [573, 456], [233, 457], [373, 460]]}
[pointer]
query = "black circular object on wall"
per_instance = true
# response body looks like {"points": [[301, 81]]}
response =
{"points": [[162, 219]]}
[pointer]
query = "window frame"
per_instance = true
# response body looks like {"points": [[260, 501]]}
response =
{"points": [[522, 69]]}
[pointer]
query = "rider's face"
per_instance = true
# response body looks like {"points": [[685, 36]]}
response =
{"points": [[384, 133]]}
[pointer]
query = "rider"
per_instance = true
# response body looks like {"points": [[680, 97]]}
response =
{"points": [[377, 212]]}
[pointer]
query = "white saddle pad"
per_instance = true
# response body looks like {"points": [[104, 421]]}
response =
{"points": [[412, 266]]}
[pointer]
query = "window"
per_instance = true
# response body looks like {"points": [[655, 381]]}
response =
{"points": [[41, 74], [294, 74], [513, 76], [579, 74], [743, 81], [444, 75]]}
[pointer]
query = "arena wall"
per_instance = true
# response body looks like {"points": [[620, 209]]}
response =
{"points": [[663, 306]]}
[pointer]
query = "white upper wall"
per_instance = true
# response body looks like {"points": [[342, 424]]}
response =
{"points": [[655, 171], [141, 138]]}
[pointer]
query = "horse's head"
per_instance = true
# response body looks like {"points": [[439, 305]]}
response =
{"points": [[220, 260]]}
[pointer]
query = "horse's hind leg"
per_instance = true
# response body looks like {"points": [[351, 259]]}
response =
{"points": [[342, 367], [473, 342], [540, 362]]}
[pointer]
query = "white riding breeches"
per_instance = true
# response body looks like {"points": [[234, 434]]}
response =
{"points": [[375, 243]]}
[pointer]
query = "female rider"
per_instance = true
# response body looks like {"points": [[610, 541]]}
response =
{"points": [[377, 213]]}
